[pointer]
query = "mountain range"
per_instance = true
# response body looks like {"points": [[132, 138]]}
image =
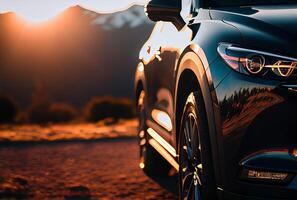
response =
{"points": [[75, 56], [133, 17]]}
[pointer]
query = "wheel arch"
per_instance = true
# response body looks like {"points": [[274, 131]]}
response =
{"points": [[192, 75], [187, 83], [139, 88], [139, 82]]}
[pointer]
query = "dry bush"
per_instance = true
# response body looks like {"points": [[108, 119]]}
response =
{"points": [[99, 108], [39, 113], [8, 109], [62, 112], [43, 113], [22, 118]]}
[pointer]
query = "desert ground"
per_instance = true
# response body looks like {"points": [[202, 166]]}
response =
{"points": [[78, 161]]}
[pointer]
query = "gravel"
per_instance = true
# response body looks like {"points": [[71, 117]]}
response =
{"points": [[100, 169]]}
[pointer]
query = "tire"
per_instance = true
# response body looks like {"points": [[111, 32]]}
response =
{"points": [[150, 161], [196, 177]]}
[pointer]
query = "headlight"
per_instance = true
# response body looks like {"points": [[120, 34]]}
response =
{"points": [[258, 63]]}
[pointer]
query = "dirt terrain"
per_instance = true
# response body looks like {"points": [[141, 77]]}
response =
{"points": [[108, 128], [80, 169]]}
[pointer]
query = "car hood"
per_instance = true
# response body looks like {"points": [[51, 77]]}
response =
{"points": [[268, 27]]}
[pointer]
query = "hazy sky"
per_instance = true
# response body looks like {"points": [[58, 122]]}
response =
{"points": [[41, 10]]}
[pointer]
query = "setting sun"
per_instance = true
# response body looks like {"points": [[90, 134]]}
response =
{"points": [[36, 11], [38, 16]]}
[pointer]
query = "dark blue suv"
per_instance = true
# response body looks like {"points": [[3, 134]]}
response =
{"points": [[216, 90]]}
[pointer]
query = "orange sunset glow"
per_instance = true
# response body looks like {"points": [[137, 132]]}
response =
{"points": [[40, 15], [35, 11]]}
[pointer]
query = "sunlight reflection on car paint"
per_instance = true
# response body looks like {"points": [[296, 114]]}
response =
{"points": [[162, 118]]}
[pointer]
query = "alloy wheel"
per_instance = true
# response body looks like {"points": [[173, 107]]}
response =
{"points": [[190, 159]]}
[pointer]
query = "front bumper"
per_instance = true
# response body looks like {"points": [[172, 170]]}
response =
{"points": [[256, 115], [225, 195]]}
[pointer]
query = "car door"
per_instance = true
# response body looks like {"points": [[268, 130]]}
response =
{"points": [[165, 48]]}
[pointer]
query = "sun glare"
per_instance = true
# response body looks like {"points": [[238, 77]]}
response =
{"points": [[37, 17], [35, 11]]}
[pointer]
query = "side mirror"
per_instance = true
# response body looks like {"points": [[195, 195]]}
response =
{"points": [[165, 10]]}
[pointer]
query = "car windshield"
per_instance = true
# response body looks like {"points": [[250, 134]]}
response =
{"points": [[225, 3]]}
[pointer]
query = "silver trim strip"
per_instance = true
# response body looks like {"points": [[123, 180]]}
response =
{"points": [[161, 141], [164, 153]]}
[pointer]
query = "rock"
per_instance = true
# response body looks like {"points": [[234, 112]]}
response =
{"points": [[77, 193], [16, 187]]}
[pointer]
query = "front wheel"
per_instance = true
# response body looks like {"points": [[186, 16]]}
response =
{"points": [[196, 179]]}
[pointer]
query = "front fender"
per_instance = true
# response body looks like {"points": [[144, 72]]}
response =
{"points": [[196, 62]]}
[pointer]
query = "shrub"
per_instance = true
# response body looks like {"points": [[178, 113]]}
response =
{"points": [[39, 113], [8, 109], [22, 118], [99, 108], [44, 111], [51, 112], [62, 112]]}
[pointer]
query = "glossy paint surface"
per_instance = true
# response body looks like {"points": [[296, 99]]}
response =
{"points": [[250, 114]]}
